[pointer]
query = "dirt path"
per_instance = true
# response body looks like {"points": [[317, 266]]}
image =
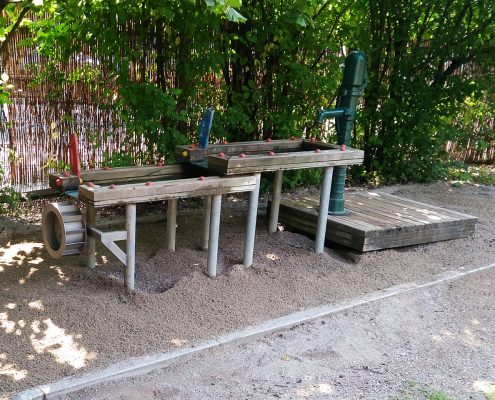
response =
{"points": [[435, 341], [57, 319]]}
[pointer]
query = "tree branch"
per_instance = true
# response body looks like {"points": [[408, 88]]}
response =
{"points": [[5, 44]]}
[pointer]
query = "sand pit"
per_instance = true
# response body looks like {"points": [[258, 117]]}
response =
{"points": [[59, 319]]}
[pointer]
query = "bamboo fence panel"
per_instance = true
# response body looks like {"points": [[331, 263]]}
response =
{"points": [[36, 124]]}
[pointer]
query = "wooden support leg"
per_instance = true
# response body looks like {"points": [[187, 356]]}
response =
{"points": [[171, 223], [130, 227], [276, 195], [206, 222], [216, 205], [321, 227], [91, 244], [251, 223]]}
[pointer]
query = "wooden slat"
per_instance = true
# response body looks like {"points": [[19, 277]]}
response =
{"points": [[164, 190], [236, 148], [257, 160], [372, 225], [426, 231], [310, 207], [440, 209], [116, 175], [405, 208], [122, 175], [283, 161], [423, 239]]}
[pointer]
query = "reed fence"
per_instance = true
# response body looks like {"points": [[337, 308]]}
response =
{"points": [[35, 126]]}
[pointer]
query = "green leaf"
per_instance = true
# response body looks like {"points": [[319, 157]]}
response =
{"points": [[233, 15], [301, 21]]}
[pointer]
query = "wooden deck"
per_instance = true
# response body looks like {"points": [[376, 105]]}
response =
{"points": [[379, 221]]}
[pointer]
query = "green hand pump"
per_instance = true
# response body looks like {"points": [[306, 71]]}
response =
{"points": [[353, 83]]}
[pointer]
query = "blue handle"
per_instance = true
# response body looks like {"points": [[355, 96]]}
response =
{"points": [[205, 128]]}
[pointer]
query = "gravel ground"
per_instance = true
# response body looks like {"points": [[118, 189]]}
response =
{"points": [[435, 343], [58, 319]]}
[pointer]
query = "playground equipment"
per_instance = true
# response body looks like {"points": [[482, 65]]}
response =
{"points": [[207, 171], [276, 155], [65, 232]]}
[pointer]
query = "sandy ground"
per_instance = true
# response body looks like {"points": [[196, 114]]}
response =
{"points": [[59, 319], [367, 352]]}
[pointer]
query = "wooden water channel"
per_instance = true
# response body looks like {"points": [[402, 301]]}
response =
{"points": [[379, 221], [375, 220]]}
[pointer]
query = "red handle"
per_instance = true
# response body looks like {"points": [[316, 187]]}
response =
{"points": [[74, 155]]}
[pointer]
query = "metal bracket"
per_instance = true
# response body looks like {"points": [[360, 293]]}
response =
{"points": [[108, 240]]}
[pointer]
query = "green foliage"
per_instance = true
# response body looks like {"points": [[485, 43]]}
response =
{"points": [[267, 66], [415, 390], [416, 54], [437, 395], [118, 160], [460, 172], [9, 200]]}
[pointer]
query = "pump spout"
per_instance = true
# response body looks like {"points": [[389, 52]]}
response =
{"points": [[322, 115]]}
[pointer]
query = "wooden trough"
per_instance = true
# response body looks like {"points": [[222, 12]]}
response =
{"points": [[379, 221], [113, 188], [276, 155]]}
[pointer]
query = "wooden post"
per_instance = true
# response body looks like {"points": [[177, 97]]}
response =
{"points": [[130, 227], [251, 223], [91, 244], [216, 205], [276, 195], [171, 223], [206, 222], [321, 227]]}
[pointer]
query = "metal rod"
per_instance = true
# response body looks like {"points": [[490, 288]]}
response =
{"points": [[276, 195], [91, 243], [171, 224], [251, 223], [216, 205], [321, 227], [130, 227], [206, 222]]}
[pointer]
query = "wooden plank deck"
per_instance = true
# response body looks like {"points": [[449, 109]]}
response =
{"points": [[379, 221]]}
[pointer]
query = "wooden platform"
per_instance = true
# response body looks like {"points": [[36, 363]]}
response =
{"points": [[379, 221]]}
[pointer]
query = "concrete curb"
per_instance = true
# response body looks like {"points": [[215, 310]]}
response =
{"points": [[142, 365]]}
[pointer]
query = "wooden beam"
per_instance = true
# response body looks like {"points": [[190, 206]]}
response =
{"points": [[283, 161], [164, 190], [188, 153]]}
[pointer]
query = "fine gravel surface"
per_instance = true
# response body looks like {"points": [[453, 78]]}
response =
{"points": [[58, 319], [435, 343]]}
